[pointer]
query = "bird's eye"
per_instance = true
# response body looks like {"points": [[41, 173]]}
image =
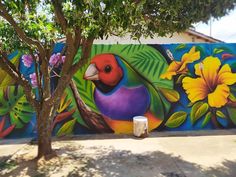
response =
{"points": [[107, 69]]}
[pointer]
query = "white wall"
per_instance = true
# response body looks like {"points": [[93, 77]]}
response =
{"points": [[176, 38]]}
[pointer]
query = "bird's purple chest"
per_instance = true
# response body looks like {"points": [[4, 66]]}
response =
{"points": [[123, 104]]}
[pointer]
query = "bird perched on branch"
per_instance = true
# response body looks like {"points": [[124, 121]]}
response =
{"points": [[122, 93]]}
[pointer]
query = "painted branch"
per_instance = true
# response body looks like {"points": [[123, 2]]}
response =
{"points": [[215, 121], [94, 120], [231, 104]]}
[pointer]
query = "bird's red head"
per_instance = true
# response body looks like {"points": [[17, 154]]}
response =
{"points": [[105, 68]]}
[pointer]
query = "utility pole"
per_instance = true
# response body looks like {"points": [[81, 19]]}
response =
{"points": [[211, 26]]}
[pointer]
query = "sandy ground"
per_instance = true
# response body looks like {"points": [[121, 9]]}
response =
{"points": [[112, 156]]}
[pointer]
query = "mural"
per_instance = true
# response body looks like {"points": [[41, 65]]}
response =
{"points": [[176, 86]]}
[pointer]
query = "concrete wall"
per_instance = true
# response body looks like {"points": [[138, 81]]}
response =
{"points": [[176, 38], [176, 86]]}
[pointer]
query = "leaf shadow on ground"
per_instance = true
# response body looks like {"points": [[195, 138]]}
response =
{"points": [[109, 162]]}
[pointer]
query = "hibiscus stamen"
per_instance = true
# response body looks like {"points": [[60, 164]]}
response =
{"points": [[170, 55], [201, 67]]}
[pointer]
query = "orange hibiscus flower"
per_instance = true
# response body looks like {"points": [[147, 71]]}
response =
{"points": [[180, 67]]}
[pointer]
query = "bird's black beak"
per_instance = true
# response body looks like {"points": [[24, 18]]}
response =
{"points": [[91, 73]]}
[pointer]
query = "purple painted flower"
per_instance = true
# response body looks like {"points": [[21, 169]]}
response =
{"points": [[56, 60], [33, 78], [27, 60]]}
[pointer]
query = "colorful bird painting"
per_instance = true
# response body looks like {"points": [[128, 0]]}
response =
{"points": [[121, 93]]}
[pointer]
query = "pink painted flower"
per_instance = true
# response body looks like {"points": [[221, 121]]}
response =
{"points": [[27, 60], [56, 60], [33, 81]]}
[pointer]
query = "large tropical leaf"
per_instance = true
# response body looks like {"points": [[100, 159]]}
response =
{"points": [[13, 103], [7, 131], [5, 79], [232, 114], [144, 59]]}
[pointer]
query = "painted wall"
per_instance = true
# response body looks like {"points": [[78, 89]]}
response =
{"points": [[176, 86]]}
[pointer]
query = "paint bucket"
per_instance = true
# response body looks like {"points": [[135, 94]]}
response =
{"points": [[140, 126]]}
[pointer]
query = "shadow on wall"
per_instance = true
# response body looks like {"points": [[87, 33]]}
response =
{"points": [[73, 161]]}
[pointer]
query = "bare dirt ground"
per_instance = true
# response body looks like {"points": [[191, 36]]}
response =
{"points": [[111, 156]]}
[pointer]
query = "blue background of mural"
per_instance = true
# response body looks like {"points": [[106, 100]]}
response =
{"points": [[225, 52]]}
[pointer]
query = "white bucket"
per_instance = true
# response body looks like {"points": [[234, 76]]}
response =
{"points": [[140, 126]]}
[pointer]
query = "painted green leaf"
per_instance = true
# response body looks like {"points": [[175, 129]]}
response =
{"points": [[144, 59], [13, 103], [206, 119], [67, 128], [176, 119], [180, 47], [232, 97], [190, 104], [232, 114], [217, 50], [5, 79], [180, 78], [198, 110], [222, 49], [170, 94], [201, 49], [220, 114]]}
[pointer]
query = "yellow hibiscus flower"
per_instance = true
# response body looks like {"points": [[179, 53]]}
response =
{"points": [[213, 82], [180, 67]]}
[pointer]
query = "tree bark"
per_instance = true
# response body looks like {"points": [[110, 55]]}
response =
{"points": [[44, 117]]}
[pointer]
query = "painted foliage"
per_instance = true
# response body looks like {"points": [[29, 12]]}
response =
{"points": [[176, 86]]}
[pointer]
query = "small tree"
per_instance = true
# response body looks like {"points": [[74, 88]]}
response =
{"points": [[33, 26]]}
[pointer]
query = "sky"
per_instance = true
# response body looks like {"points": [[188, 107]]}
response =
{"points": [[223, 28]]}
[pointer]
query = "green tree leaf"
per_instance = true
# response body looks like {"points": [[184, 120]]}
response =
{"points": [[198, 110], [67, 128], [206, 119], [176, 119]]}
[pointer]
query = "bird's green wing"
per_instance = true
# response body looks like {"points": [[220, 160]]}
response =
{"points": [[158, 104]]}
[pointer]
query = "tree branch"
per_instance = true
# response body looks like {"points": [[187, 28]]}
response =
{"points": [[86, 49], [38, 75], [19, 31], [10, 69], [77, 37], [59, 15]]}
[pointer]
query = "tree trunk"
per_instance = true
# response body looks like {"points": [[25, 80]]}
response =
{"points": [[44, 117]]}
